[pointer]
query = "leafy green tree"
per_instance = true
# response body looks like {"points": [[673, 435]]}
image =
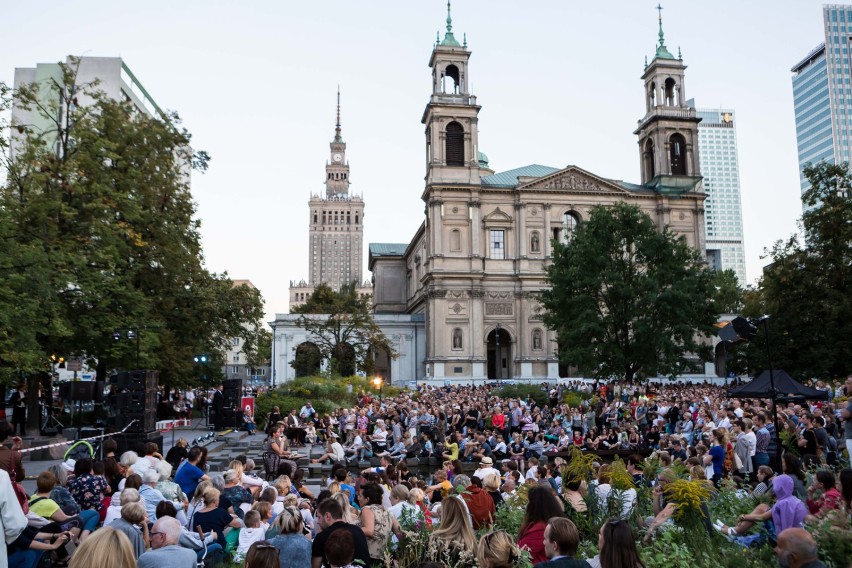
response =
{"points": [[627, 299], [97, 217], [341, 325], [806, 287], [727, 292]]}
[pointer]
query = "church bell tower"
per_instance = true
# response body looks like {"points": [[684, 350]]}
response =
{"points": [[451, 115], [668, 133]]}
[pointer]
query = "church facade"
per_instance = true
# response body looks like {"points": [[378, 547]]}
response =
{"points": [[469, 279]]}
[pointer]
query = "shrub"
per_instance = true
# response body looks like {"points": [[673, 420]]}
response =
{"points": [[525, 392]]}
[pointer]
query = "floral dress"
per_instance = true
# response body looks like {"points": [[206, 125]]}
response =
{"points": [[381, 532], [88, 491], [66, 502]]}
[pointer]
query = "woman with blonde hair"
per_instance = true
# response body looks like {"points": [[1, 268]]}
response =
{"points": [[293, 548], [350, 513], [497, 550], [105, 547], [253, 484], [212, 518], [417, 497], [455, 534]]}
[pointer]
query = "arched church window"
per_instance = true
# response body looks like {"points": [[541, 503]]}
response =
{"points": [[356, 218], [648, 156], [455, 144], [315, 217], [652, 96], [451, 80], [677, 151], [671, 92], [455, 240], [569, 224], [535, 242]]}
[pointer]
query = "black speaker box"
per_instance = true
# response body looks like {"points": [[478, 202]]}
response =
{"points": [[129, 441], [84, 391], [141, 380]]}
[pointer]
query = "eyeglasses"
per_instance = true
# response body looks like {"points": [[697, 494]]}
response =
{"points": [[156, 533]]}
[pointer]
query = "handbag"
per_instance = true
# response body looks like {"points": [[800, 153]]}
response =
{"points": [[20, 492]]}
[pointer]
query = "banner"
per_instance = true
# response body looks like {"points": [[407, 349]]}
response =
{"points": [[247, 405]]}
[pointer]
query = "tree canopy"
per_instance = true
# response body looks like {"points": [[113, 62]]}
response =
{"points": [[100, 234], [805, 288], [626, 299], [342, 327]]}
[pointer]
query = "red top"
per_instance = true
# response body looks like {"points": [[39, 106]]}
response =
{"points": [[498, 421], [481, 506], [533, 540]]}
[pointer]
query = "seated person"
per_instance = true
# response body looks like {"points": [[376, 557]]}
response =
{"points": [[333, 450]]}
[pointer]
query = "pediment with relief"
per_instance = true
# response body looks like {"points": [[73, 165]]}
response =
{"points": [[497, 216], [573, 180]]}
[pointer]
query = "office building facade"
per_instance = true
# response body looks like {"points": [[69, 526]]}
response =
{"points": [[717, 144], [822, 94]]}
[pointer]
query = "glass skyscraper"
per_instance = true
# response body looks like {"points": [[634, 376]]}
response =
{"points": [[822, 94], [717, 152]]}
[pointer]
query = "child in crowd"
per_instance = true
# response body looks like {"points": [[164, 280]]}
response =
{"points": [[249, 535]]}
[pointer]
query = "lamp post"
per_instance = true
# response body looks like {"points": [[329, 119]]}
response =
{"points": [[498, 359], [773, 393], [379, 383]]}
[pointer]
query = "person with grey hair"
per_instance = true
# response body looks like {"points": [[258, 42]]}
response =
{"points": [[165, 550], [60, 493], [797, 549], [150, 493], [171, 490], [133, 522], [118, 500]]}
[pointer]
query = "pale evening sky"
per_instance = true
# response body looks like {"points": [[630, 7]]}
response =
{"points": [[558, 81]]}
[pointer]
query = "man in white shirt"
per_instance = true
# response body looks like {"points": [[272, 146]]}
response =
{"points": [[486, 466], [307, 412]]}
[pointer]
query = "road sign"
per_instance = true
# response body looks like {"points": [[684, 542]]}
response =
{"points": [[74, 364]]}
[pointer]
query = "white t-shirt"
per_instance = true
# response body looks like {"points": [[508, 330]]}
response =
{"points": [[483, 472], [337, 451]]}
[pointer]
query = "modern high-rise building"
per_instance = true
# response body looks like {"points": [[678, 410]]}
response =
{"points": [[112, 75], [336, 236], [717, 150], [822, 94]]}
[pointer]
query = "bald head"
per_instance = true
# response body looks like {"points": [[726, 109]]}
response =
{"points": [[796, 547]]}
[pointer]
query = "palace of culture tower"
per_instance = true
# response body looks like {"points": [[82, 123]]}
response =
{"points": [[336, 229]]}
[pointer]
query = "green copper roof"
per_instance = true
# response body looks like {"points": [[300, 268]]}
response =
{"points": [[449, 38], [662, 52], [510, 178], [387, 249], [482, 159]]}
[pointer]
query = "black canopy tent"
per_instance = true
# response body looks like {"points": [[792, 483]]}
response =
{"points": [[786, 388]]}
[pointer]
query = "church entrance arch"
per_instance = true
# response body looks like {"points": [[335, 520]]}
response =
{"points": [[499, 354], [308, 360]]}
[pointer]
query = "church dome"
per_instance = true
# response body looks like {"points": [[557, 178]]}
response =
{"points": [[483, 159]]}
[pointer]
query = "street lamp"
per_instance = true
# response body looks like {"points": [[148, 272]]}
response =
{"points": [[131, 334], [379, 383]]}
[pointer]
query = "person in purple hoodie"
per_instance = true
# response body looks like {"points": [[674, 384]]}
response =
{"points": [[787, 512]]}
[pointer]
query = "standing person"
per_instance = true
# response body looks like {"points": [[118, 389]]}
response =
{"points": [[716, 456], [846, 413], [12, 518], [18, 402], [165, 550], [218, 405], [11, 460]]}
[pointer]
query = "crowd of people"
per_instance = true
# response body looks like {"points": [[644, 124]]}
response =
{"points": [[141, 508]]}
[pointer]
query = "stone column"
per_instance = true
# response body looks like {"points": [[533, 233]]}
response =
{"points": [[545, 241], [475, 229], [520, 212]]}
